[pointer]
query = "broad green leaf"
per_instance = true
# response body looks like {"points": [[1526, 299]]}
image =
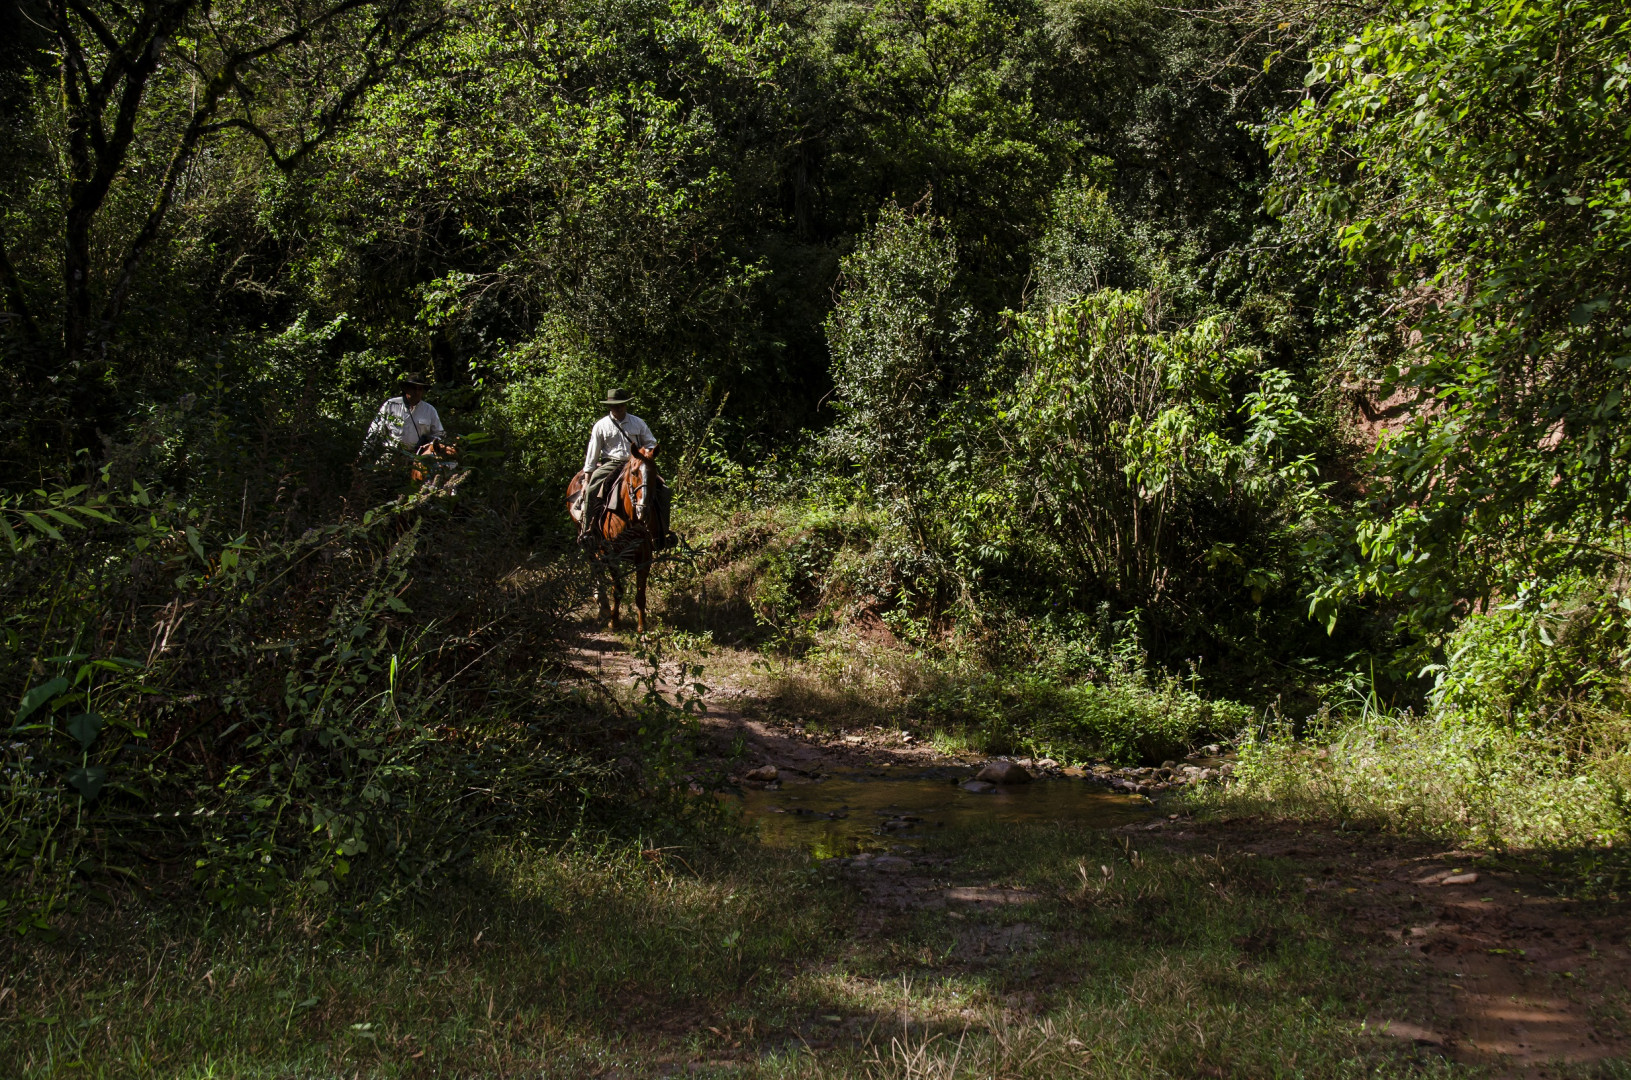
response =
{"points": [[84, 728], [41, 525], [88, 781], [38, 696]]}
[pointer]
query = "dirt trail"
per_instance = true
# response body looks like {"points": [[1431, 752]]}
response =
{"points": [[605, 657], [1507, 974]]}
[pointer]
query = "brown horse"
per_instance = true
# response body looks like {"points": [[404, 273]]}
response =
{"points": [[623, 535]]}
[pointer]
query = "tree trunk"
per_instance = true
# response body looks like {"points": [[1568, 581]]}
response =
{"points": [[76, 283]]}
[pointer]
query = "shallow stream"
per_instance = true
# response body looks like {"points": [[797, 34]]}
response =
{"points": [[887, 809]]}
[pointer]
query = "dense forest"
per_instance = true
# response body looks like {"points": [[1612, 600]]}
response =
{"points": [[1249, 370]]}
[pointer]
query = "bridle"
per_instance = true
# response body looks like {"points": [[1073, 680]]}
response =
{"points": [[636, 481], [634, 472]]}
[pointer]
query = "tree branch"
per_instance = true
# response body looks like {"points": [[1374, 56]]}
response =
{"points": [[203, 124]]}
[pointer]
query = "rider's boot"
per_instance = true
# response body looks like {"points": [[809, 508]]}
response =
{"points": [[591, 518]]}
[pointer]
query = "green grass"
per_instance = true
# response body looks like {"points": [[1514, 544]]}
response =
{"points": [[558, 962], [582, 963], [1125, 716], [1445, 776], [1132, 964]]}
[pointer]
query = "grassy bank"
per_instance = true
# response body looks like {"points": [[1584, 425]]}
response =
{"points": [[1440, 776], [840, 634], [738, 961], [1518, 743], [559, 961]]}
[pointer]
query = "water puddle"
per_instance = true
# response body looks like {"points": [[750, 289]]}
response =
{"points": [[886, 809]]}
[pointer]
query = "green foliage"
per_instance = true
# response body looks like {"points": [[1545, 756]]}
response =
{"points": [[1121, 715], [552, 388], [896, 335], [1550, 663], [124, 103], [298, 733], [1159, 470], [1086, 247], [1473, 158]]}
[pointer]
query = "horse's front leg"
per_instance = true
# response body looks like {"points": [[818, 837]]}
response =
{"points": [[640, 593]]}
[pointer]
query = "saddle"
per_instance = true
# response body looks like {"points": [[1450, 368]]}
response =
{"points": [[655, 518]]}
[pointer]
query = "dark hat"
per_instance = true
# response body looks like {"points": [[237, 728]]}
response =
{"points": [[413, 378], [618, 396]]}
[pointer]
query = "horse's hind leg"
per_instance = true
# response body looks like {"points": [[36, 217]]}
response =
{"points": [[602, 599], [617, 598]]}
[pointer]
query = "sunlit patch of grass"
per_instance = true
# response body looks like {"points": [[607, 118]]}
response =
{"points": [[1440, 775], [889, 995], [632, 959], [956, 743]]}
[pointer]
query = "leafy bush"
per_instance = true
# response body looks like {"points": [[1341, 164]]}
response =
{"points": [[1491, 255], [1122, 716], [329, 720], [551, 391], [1166, 471], [897, 335], [1548, 660]]}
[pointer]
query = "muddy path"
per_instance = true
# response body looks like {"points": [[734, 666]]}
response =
{"points": [[1498, 969]]}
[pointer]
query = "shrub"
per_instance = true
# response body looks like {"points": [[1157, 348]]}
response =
{"points": [[1123, 716], [329, 720]]}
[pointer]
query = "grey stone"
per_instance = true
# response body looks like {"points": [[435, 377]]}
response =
{"points": [[1003, 772], [763, 772], [979, 787]]}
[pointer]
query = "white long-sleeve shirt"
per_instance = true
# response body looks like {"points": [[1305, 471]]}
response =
{"points": [[606, 441], [409, 429]]}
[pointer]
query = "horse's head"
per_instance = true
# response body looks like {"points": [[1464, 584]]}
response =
{"points": [[638, 476]]}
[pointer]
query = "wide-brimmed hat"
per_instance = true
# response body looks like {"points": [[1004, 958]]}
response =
{"points": [[617, 396], [413, 378]]}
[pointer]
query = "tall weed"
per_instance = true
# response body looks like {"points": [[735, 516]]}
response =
{"points": [[328, 719]]}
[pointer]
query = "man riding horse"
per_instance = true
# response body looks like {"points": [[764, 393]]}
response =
{"points": [[613, 438], [618, 468]]}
